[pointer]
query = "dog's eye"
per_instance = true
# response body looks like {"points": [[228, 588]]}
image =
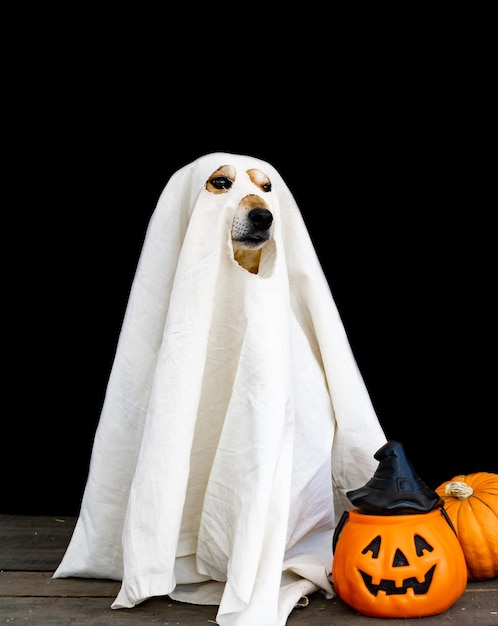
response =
{"points": [[260, 179], [221, 182]]}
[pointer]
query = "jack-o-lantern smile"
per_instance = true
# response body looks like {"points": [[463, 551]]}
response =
{"points": [[389, 586]]}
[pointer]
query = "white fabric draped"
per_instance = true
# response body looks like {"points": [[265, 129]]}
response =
{"points": [[235, 417]]}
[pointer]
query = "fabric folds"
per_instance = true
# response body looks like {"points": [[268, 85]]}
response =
{"points": [[235, 418]]}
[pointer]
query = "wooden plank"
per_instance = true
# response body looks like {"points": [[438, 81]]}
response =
{"points": [[41, 584], [32, 597], [97, 612], [481, 611], [36, 543]]}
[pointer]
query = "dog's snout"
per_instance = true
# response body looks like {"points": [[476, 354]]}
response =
{"points": [[252, 228], [261, 218]]}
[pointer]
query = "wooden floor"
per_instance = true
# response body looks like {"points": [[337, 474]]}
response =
{"points": [[31, 548]]}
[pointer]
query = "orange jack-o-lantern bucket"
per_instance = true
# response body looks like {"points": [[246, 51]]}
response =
{"points": [[398, 555], [398, 565]]}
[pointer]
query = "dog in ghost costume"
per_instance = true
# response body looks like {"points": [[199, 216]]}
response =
{"points": [[235, 418]]}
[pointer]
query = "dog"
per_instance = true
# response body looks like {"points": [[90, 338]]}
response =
{"points": [[252, 225]]}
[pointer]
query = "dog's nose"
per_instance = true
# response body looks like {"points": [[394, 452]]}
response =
{"points": [[261, 218]]}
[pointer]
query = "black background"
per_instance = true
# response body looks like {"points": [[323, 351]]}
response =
{"points": [[389, 153]]}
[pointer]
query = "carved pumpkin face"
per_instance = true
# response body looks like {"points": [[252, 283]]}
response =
{"points": [[398, 565]]}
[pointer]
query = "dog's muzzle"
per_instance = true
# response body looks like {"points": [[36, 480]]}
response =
{"points": [[253, 229], [261, 219]]}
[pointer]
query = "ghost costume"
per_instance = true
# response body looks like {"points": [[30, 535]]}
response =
{"points": [[235, 417]]}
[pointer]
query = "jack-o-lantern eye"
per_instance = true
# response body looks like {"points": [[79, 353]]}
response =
{"points": [[421, 545], [399, 559], [373, 547]]}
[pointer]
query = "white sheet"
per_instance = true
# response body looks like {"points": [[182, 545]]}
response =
{"points": [[235, 417]]}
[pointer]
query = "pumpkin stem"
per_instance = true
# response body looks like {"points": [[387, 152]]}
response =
{"points": [[459, 490]]}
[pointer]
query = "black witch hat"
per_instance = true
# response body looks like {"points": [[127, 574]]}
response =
{"points": [[395, 488]]}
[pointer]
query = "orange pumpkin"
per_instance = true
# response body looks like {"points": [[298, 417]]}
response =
{"points": [[471, 502], [398, 566]]}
